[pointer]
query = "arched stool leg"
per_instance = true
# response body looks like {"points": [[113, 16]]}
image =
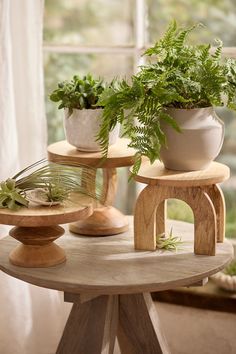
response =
{"points": [[204, 217], [145, 218], [149, 201], [217, 197], [161, 214]]}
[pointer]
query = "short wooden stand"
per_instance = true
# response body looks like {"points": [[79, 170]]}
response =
{"points": [[198, 189], [106, 220], [37, 229]]}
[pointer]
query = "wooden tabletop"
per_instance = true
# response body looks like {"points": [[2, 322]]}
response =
{"points": [[157, 174], [78, 208], [119, 155], [110, 265]]}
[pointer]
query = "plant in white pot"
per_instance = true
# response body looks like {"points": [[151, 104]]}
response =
{"points": [[82, 119], [168, 108]]}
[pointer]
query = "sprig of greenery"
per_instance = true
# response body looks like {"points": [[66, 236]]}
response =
{"points": [[78, 93], [181, 76], [58, 181], [168, 242]]}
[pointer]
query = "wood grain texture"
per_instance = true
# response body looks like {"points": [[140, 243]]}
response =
{"points": [[146, 217], [37, 248], [217, 197], [157, 174], [119, 155], [98, 265], [84, 330], [104, 221], [139, 329], [78, 208]]}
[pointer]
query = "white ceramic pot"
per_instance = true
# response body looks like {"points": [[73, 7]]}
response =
{"points": [[82, 127], [198, 144]]}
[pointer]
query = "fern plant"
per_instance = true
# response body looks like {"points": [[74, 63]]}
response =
{"points": [[180, 76], [78, 93]]}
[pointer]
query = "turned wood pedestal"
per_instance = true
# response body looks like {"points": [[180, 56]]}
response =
{"points": [[199, 189], [106, 220], [109, 284], [37, 228]]}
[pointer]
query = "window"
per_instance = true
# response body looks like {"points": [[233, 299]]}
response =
{"points": [[107, 37]]}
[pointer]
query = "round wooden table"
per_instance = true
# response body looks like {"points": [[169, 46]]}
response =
{"points": [[105, 220], [110, 284]]}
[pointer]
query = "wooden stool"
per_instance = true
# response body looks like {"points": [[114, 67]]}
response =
{"points": [[106, 220], [198, 189]]}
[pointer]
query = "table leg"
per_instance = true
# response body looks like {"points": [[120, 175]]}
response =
{"points": [[105, 220], [139, 329], [91, 327], [94, 323]]}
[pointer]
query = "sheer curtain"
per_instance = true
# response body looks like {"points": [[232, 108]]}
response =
{"points": [[29, 315]]}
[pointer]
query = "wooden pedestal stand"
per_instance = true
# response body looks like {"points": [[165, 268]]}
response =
{"points": [[106, 220], [198, 189], [109, 284], [37, 229]]}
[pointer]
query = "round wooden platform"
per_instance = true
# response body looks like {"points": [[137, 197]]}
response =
{"points": [[34, 216], [119, 155], [110, 265], [157, 174]]}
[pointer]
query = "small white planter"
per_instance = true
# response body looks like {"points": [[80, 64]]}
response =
{"points": [[199, 143], [82, 127]]}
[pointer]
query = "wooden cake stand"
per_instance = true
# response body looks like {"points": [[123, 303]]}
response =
{"points": [[106, 220], [110, 284], [37, 228]]}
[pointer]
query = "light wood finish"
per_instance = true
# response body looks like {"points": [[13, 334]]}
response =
{"points": [[139, 328], [105, 220], [196, 188], [119, 155], [110, 265], [71, 210], [216, 195], [84, 331], [145, 218], [157, 174], [37, 230], [107, 280], [37, 248]]}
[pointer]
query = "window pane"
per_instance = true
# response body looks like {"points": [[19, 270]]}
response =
{"points": [[59, 67], [218, 16], [97, 22]]}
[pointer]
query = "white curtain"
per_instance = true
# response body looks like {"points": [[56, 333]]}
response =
{"points": [[31, 318]]}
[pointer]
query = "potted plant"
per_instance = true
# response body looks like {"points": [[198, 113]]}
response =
{"points": [[79, 98], [167, 110]]}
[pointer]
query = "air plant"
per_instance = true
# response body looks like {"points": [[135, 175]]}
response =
{"points": [[169, 242], [56, 181]]}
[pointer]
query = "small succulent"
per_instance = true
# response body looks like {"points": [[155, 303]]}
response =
{"points": [[55, 181], [168, 242], [78, 93]]}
